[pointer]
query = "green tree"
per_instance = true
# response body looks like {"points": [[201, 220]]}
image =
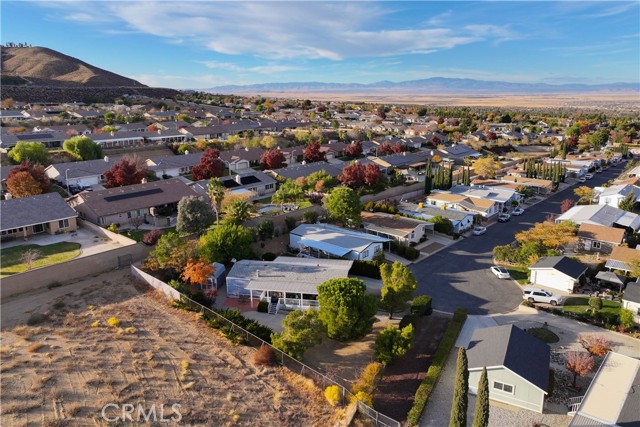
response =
{"points": [[344, 205], [345, 311], [301, 330], [628, 202], [35, 152], [238, 212], [442, 224], [328, 181], [460, 398], [398, 286], [194, 215], [171, 253], [481, 416], [627, 318], [82, 148], [216, 192], [393, 342], [226, 242], [289, 192]]}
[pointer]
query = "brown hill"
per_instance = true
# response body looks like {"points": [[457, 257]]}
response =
{"points": [[41, 66]]}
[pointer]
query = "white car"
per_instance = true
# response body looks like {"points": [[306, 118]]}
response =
{"points": [[517, 211], [532, 294], [500, 272], [479, 230], [589, 176], [582, 179], [504, 217]]}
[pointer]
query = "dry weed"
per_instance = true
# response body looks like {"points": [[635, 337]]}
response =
{"points": [[34, 347], [19, 407]]}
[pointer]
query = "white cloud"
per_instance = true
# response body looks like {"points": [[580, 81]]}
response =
{"points": [[264, 69]]}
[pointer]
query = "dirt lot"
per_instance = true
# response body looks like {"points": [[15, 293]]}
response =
{"points": [[401, 379], [58, 369]]}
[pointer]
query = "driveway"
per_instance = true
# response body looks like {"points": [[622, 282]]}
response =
{"points": [[459, 276]]}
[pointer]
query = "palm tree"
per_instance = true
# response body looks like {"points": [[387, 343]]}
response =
{"points": [[238, 212], [216, 192]]}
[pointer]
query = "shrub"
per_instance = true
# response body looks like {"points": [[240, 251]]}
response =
{"points": [[369, 269], [310, 217], [435, 369], [265, 356], [265, 230], [527, 303], [365, 398], [263, 307], [392, 343], [626, 319], [113, 321], [407, 319], [269, 256], [95, 324], [421, 305], [113, 228], [369, 206], [368, 379], [290, 222], [152, 237], [597, 345], [595, 303], [333, 394]]}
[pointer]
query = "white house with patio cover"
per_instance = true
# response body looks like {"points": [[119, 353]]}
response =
{"points": [[286, 282], [326, 241]]}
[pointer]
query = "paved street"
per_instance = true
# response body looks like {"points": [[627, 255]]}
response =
{"points": [[459, 275]]}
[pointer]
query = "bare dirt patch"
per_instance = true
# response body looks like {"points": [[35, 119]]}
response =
{"points": [[64, 368]]}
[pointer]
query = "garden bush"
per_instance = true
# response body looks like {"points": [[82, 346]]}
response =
{"points": [[369, 269], [407, 319], [392, 343], [290, 222], [265, 230], [333, 394], [595, 303], [265, 356], [437, 364], [310, 217], [421, 305], [368, 379], [152, 237], [263, 307]]}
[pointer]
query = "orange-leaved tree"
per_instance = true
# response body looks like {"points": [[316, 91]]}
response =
{"points": [[197, 271]]}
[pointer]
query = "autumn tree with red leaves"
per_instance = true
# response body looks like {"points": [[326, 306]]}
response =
{"points": [[197, 271], [372, 174], [354, 149], [566, 204], [312, 152], [387, 148], [579, 363], [210, 165], [28, 179], [353, 175], [597, 345], [127, 171], [272, 159]]}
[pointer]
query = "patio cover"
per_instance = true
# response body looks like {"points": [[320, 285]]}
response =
{"points": [[304, 288], [611, 277], [324, 246]]}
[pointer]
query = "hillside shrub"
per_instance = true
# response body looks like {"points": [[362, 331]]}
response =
{"points": [[333, 394], [421, 305], [265, 356]]}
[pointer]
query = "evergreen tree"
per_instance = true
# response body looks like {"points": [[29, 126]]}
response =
{"points": [[460, 398], [481, 416], [450, 183], [428, 178]]}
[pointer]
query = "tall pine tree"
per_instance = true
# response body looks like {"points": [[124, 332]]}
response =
{"points": [[481, 416], [460, 398]]}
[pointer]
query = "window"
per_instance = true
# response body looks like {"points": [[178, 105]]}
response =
{"points": [[507, 388], [595, 244], [63, 223], [365, 254]]}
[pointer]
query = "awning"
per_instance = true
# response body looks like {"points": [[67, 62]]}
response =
{"points": [[609, 276], [617, 265], [324, 246], [301, 288]]}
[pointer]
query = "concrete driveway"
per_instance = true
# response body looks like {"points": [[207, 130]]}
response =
{"points": [[459, 276]]}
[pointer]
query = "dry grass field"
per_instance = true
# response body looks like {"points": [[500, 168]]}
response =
{"points": [[69, 351]]}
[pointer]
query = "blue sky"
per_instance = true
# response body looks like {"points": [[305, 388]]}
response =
{"points": [[200, 44]]}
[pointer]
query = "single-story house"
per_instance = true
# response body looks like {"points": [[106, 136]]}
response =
{"points": [[503, 196], [612, 396], [599, 238], [121, 205], [85, 173], [258, 183], [602, 215], [49, 139], [631, 298], [613, 195], [285, 282], [540, 185], [305, 169], [402, 229], [458, 153], [172, 166], [445, 200], [44, 213], [621, 258], [405, 160], [517, 366], [557, 272], [241, 160], [460, 219], [324, 240]]}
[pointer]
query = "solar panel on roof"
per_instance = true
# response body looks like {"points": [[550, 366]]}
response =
{"points": [[132, 195], [34, 136], [229, 183], [249, 179]]}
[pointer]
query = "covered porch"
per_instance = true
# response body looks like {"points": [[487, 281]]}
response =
{"points": [[284, 296]]}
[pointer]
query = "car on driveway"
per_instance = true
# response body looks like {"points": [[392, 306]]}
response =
{"points": [[532, 294], [500, 272], [582, 179], [504, 217], [477, 231], [517, 211], [589, 176]]}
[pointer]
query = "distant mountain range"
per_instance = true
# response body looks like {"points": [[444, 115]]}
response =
{"points": [[431, 85], [41, 66]]}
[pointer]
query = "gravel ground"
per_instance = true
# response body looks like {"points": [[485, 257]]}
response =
{"points": [[437, 412]]}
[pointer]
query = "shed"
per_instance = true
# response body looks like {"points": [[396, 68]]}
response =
{"points": [[517, 366], [557, 272]]}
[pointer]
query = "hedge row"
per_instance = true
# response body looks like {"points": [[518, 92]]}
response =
{"points": [[437, 364], [404, 251], [366, 268]]}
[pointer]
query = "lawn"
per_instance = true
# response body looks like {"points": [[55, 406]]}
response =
{"points": [[519, 273], [580, 305], [50, 254], [544, 335]]}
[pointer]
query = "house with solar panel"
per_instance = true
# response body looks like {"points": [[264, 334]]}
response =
{"points": [[154, 201], [49, 139], [254, 184]]}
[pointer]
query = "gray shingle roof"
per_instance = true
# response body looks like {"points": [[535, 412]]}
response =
{"points": [[81, 169], [632, 292], [513, 348], [295, 171], [563, 264], [32, 210]]}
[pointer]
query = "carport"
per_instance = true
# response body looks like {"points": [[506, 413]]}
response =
{"points": [[610, 277]]}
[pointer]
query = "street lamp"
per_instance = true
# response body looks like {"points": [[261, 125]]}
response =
{"points": [[66, 180]]}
